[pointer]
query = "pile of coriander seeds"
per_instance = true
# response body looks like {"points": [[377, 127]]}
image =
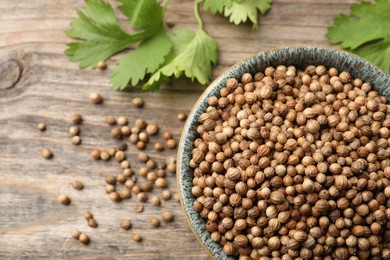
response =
{"points": [[294, 164]]}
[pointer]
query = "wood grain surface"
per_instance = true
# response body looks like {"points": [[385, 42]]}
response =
{"points": [[40, 84]]}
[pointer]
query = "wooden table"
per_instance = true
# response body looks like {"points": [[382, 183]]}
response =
{"points": [[33, 225]]}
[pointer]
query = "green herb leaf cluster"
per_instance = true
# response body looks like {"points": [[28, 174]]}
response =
{"points": [[160, 53], [239, 11], [366, 32]]}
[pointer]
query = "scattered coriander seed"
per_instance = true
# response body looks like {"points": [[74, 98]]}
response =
{"points": [[125, 193], [158, 146], [142, 196], [101, 65], [92, 223], [77, 185], [170, 24], [140, 123], [137, 102], [140, 145], [167, 135], [171, 143], [46, 153], [171, 167], [137, 238], [110, 188], [41, 127], [154, 222], [125, 224], [161, 182], [128, 172], [114, 196], [76, 118], [143, 157], [161, 173], [110, 120], [138, 208], [167, 216], [95, 154], [152, 128], [122, 147], [110, 179], [165, 194], [122, 120], [88, 215], [116, 133], [181, 116], [125, 164], [121, 178], [150, 164], [120, 156], [95, 98], [84, 239], [112, 151], [155, 201], [126, 130], [76, 140], [74, 130], [63, 199], [104, 155], [76, 234], [143, 172], [133, 138]]}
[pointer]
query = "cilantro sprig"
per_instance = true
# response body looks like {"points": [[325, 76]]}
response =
{"points": [[239, 11], [159, 54], [366, 32]]}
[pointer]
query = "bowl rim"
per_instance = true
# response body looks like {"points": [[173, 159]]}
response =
{"points": [[206, 92]]}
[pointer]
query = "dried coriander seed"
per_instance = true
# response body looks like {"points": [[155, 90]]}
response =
{"points": [[122, 121], [158, 146], [125, 224], [122, 147], [84, 239], [137, 102], [137, 238], [74, 130], [181, 116], [116, 133], [161, 182], [76, 140], [171, 143], [104, 155], [76, 118], [63, 199], [167, 216], [110, 120], [152, 129], [101, 65], [92, 222], [165, 194], [77, 185], [95, 154], [142, 197], [155, 201], [76, 234], [41, 127], [115, 196], [46, 153], [138, 208], [96, 98], [167, 135], [143, 157], [88, 215], [154, 222]]}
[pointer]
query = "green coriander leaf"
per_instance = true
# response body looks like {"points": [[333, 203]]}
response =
{"points": [[366, 32], [144, 15], [193, 56], [133, 67], [241, 11], [101, 37], [217, 6]]}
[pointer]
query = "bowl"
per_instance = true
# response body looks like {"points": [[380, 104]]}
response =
{"points": [[296, 56]]}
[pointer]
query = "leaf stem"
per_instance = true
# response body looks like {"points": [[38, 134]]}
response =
{"points": [[164, 5], [197, 14]]}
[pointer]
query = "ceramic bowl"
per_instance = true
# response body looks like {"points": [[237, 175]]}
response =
{"points": [[297, 56]]}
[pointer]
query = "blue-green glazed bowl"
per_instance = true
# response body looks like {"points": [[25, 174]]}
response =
{"points": [[296, 56]]}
